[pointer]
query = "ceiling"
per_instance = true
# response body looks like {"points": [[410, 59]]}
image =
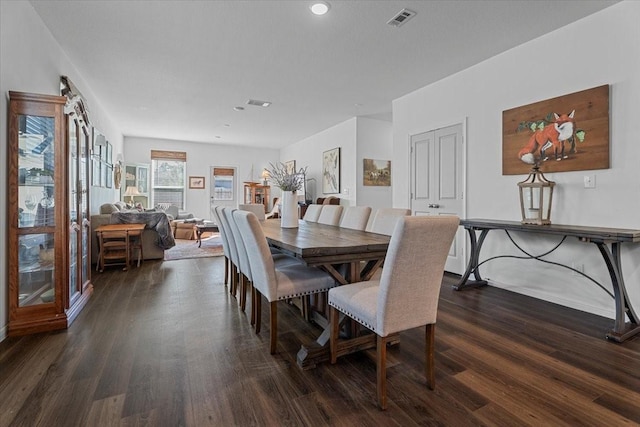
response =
{"points": [[176, 69]]}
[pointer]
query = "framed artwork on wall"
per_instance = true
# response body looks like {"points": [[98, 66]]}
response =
{"points": [[376, 173], [331, 171], [290, 166], [196, 182], [566, 133]]}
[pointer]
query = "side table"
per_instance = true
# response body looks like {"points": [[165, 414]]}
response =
{"points": [[201, 228]]}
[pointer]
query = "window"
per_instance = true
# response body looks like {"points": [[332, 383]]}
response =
{"points": [[168, 177]]}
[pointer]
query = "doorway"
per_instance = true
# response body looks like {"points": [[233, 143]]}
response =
{"points": [[437, 181], [223, 188]]}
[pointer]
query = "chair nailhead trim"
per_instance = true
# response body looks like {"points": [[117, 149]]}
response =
{"points": [[354, 317]]}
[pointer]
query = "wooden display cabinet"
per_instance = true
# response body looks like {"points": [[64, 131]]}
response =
{"points": [[258, 194], [48, 211]]}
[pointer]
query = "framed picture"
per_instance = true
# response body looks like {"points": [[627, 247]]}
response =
{"points": [[291, 166], [196, 182], [331, 171], [376, 173], [566, 133]]}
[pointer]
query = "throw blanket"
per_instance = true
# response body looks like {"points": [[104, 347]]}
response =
{"points": [[157, 221]]}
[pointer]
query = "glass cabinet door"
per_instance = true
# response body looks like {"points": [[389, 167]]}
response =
{"points": [[36, 213]]}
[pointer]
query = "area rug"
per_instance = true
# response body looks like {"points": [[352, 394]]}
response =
{"points": [[184, 249]]}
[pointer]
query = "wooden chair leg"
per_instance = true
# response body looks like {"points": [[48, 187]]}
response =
{"points": [[226, 270], [335, 331], [381, 371], [253, 305], [243, 292], [258, 311], [273, 333], [429, 355]]}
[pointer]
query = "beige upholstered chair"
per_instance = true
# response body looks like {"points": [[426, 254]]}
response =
{"points": [[384, 220], [257, 209], [217, 211], [245, 276], [275, 210], [330, 215], [355, 217], [233, 250], [276, 284], [313, 212], [407, 294]]}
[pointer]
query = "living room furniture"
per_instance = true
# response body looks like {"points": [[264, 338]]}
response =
{"points": [[153, 243], [406, 297], [136, 175], [255, 193], [117, 242], [608, 241], [324, 246], [203, 228], [48, 228]]}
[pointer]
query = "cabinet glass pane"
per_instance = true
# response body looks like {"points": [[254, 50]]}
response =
{"points": [[36, 269], [73, 208], [35, 171], [84, 205]]}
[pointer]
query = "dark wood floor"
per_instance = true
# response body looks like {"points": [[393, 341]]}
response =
{"points": [[165, 345]]}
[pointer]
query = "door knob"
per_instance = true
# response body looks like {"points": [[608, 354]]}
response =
{"points": [[434, 205]]}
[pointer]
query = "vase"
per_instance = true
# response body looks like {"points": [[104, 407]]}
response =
{"points": [[289, 209]]}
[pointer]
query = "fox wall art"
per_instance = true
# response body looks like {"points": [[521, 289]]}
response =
{"points": [[567, 133]]}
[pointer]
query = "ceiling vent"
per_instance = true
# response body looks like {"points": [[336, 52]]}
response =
{"points": [[401, 17], [258, 103]]}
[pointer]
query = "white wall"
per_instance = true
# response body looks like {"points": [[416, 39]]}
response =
{"points": [[374, 141], [308, 152], [603, 48], [200, 157], [32, 61]]}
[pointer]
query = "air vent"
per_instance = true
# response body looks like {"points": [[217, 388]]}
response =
{"points": [[401, 17], [258, 103]]}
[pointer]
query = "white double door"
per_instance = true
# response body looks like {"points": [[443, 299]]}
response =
{"points": [[437, 181]]}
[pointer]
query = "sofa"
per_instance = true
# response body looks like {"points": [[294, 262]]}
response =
{"points": [[109, 214]]}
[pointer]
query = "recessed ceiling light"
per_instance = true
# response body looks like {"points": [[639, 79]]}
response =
{"points": [[238, 108], [320, 7]]}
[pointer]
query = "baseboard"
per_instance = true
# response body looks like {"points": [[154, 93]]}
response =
{"points": [[565, 302]]}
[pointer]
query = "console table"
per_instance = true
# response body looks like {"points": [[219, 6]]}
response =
{"points": [[608, 241]]}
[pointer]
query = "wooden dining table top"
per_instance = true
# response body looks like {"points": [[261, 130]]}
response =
{"points": [[319, 243]]}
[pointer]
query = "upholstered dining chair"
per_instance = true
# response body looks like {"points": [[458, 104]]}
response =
{"points": [[384, 220], [245, 276], [407, 294], [275, 284], [225, 243], [312, 213], [244, 271], [355, 217], [233, 250], [257, 209], [330, 215]]}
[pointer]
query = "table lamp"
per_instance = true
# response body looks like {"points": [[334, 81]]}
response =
{"points": [[265, 177], [131, 191]]}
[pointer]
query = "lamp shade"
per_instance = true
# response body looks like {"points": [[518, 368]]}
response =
{"points": [[536, 195], [132, 191]]}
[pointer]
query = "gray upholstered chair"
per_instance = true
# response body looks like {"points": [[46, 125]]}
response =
{"points": [[233, 250], [276, 284], [256, 208], [330, 215], [355, 217], [407, 294], [217, 211], [384, 220], [312, 213]]}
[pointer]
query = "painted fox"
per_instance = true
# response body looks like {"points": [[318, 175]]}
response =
{"points": [[553, 136]]}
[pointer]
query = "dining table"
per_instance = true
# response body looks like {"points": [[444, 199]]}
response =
{"points": [[347, 255]]}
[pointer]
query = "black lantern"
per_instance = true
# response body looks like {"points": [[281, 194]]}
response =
{"points": [[536, 194]]}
